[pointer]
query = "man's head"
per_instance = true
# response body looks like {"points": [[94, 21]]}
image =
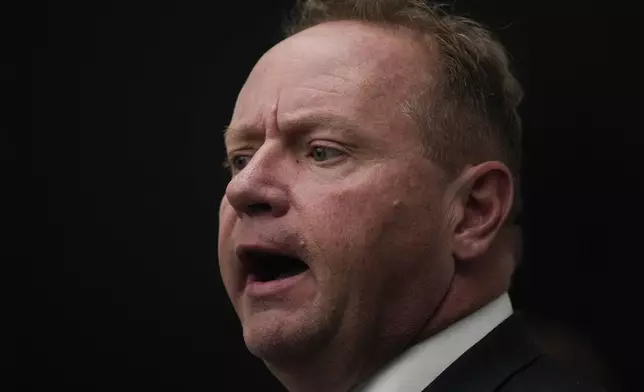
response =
{"points": [[380, 176]]}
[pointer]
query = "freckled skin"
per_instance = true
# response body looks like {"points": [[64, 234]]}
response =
{"points": [[371, 219]]}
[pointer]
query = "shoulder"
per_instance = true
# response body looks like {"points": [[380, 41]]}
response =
{"points": [[544, 374]]}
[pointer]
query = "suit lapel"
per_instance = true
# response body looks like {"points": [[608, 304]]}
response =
{"points": [[490, 362]]}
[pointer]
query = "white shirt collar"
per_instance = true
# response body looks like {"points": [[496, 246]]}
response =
{"points": [[419, 365]]}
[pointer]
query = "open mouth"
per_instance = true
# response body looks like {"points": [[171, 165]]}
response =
{"points": [[267, 267]]}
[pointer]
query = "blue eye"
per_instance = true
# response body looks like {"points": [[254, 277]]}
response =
{"points": [[322, 153]]}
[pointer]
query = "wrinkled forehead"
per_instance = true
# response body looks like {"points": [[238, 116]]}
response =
{"points": [[335, 65]]}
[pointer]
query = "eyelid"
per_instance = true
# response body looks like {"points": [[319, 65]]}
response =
{"points": [[328, 144], [234, 155], [339, 152], [230, 156], [248, 151], [245, 150], [313, 146]]}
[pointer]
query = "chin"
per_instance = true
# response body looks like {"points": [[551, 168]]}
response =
{"points": [[276, 337]]}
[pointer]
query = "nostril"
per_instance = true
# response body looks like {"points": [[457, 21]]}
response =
{"points": [[258, 208], [257, 200]]}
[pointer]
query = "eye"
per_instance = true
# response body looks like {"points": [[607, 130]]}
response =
{"points": [[237, 162], [324, 153]]}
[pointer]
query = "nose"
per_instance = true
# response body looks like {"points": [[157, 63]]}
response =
{"points": [[259, 188]]}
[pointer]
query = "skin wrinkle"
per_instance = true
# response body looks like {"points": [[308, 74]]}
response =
{"points": [[329, 91], [378, 226], [318, 247]]}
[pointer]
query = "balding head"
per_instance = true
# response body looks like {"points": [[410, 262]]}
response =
{"points": [[349, 59], [377, 245]]}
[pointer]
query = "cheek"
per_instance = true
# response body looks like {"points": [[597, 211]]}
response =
{"points": [[222, 205], [348, 218], [227, 219], [350, 224], [374, 223]]}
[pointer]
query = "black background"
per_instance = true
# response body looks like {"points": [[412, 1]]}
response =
{"points": [[128, 103]]}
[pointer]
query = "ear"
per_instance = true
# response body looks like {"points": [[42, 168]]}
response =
{"points": [[482, 199]]}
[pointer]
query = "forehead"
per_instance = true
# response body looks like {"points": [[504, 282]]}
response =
{"points": [[346, 68]]}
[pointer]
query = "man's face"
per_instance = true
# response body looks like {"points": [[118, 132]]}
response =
{"points": [[326, 170]]}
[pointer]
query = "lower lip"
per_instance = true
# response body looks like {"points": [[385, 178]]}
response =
{"points": [[255, 288]]}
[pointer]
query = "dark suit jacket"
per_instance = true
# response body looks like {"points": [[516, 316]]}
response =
{"points": [[506, 360]]}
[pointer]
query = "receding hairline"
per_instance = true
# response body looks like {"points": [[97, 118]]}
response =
{"points": [[408, 49], [425, 45], [428, 75], [474, 107], [422, 46]]}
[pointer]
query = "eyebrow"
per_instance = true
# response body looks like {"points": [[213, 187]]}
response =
{"points": [[314, 120]]}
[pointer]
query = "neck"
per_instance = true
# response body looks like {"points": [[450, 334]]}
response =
{"points": [[349, 362], [474, 285], [342, 363], [312, 374]]}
